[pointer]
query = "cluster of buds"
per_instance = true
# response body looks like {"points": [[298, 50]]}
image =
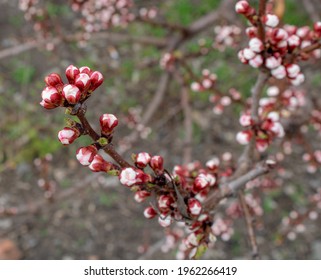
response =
{"points": [[101, 14], [82, 82], [273, 53], [226, 36], [206, 82], [263, 131]]}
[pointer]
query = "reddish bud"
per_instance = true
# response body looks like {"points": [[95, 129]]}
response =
{"points": [[270, 20], [194, 206], [164, 202], [71, 73], [213, 163], [156, 163], [261, 145], [86, 155], [317, 26], [244, 137], [71, 93], [85, 70], [53, 79], [129, 177], [68, 135], [141, 196], [99, 164], [107, 123], [142, 159], [96, 79], [279, 72], [243, 7], [50, 95], [201, 182], [47, 105], [150, 212], [82, 81], [256, 45]]}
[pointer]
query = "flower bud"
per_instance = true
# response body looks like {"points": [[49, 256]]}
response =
{"points": [[85, 70], [82, 81], [128, 177], [142, 159], [257, 61], [53, 79], [279, 72], [96, 79], [244, 137], [47, 105], [294, 41], [298, 80], [165, 221], [149, 212], [248, 53], [50, 95], [201, 182], [317, 26], [68, 135], [293, 70], [243, 7], [261, 145], [140, 196], [156, 163], [107, 123], [272, 62], [99, 164], [86, 155], [71, 93], [213, 163], [71, 73], [164, 202], [245, 120], [256, 45], [194, 206], [270, 20]]}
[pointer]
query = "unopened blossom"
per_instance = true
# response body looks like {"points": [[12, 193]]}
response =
{"points": [[140, 196], [201, 182], [51, 96], [96, 79], [142, 159], [68, 135], [150, 212], [157, 164], [53, 80], [243, 7], [213, 163], [107, 123], [279, 72], [245, 120], [71, 73], [292, 70], [82, 81], [85, 155], [99, 164], [71, 93], [244, 137], [194, 206], [128, 177], [272, 62], [256, 45], [270, 20], [257, 61], [165, 221]]}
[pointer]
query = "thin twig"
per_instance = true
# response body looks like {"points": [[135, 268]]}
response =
{"points": [[249, 225]]}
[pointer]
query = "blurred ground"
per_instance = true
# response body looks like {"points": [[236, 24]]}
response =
{"points": [[92, 216]]}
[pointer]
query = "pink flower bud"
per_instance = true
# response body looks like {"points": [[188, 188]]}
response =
{"points": [[251, 31], [129, 177], [272, 62], [107, 123], [248, 53], [194, 207], [292, 70], [156, 163], [277, 129], [142, 159], [53, 79], [50, 95], [274, 116], [270, 20], [294, 41], [279, 34], [273, 91], [71, 93], [99, 164], [85, 70], [165, 221], [164, 202], [201, 182], [82, 81], [241, 57], [257, 61], [213, 163], [317, 26], [299, 79], [243, 7], [245, 120], [150, 212], [47, 105], [195, 86], [279, 72], [86, 155], [140, 196], [96, 79], [71, 73], [244, 137], [68, 135], [256, 45], [303, 31]]}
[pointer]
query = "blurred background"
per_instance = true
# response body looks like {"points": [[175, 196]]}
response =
{"points": [[51, 207]]}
